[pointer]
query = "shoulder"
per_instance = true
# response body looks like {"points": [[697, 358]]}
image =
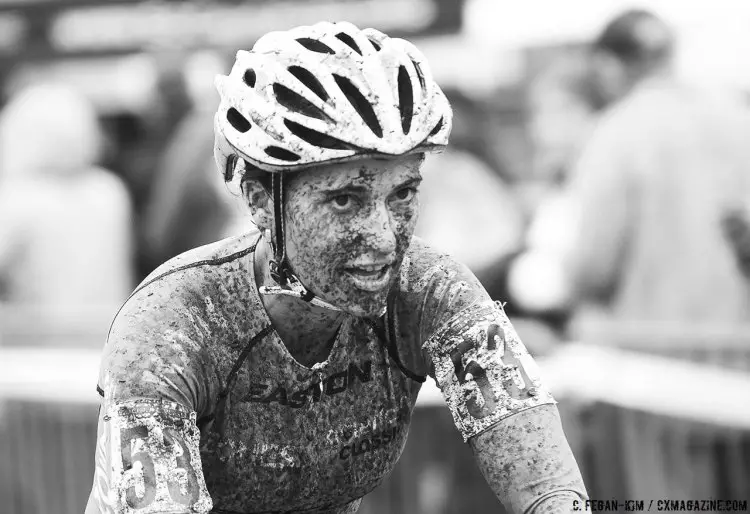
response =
{"points": [[200, 283], [193, 263], [633, 117], [434, 287], [654, 110], [425, 265], [179, 321]]}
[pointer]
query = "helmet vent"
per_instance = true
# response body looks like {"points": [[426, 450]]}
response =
{"points": [[375, 45], [282, 154], [249, 77], [360, 104], [309, 80], [405, 99], [315, 46], [237, 120], [437, 127], [297, 103], [349, 41], [316, 138], [418, 69]]}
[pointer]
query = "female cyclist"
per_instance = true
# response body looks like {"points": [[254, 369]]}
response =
{"points": [[277, 371]]}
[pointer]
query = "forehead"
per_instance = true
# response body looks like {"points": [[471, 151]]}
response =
{"points": [[370, 173]]}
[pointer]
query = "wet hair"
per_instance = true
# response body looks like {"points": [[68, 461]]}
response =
{"points": [[637, 37], [251, 172], [254, 173]]}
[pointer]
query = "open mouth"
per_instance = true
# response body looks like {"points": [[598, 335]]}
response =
{"points": [[369, 278]]}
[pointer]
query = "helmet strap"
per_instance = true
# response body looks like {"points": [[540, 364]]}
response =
{"points": [[288, 283], [279, 267]]}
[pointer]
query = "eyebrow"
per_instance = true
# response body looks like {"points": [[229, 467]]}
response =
{"points": [[362, 189]]}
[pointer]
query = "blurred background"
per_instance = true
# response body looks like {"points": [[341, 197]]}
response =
{"points": [[614, 226]]}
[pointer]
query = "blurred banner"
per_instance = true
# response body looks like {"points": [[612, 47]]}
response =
{"points": [[50, 29]]}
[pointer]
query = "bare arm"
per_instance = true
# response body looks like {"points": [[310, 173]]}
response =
{"points": [[503, 409], [498, 400], [527, 462]]}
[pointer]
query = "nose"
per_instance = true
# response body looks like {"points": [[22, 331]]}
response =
{"points": [[378, 231]]}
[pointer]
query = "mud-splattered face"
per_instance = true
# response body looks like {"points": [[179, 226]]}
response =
{"points": [[348, 227]]}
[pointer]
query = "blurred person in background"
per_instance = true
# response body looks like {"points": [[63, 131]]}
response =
{"points": [[561, 106], [141, 136], [644, 237], [561, 112], [467, 209], [65, 223], [188, 205]]}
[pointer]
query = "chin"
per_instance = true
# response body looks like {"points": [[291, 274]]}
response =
{"points": [[373, 307], [365, 312]]}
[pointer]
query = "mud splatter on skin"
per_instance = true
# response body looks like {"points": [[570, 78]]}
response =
{"points": [[351, 214], [528, 463]]}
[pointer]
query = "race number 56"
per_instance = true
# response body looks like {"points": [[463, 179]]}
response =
{"points": [[509, 366], [140, 449]]}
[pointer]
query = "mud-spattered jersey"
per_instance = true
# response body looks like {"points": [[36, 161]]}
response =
{"points": [[205, 410]]}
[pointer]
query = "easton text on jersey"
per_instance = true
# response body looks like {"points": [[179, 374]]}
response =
{"points": [[332, 384]]}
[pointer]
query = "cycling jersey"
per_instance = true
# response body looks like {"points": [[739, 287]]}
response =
{"points": [[205, 409]]}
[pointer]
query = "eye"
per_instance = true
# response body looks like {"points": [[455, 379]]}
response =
{"points": [[342, 202], [405, 194]]}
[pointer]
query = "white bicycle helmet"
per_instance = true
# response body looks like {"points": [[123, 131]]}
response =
{"points": [[328, 93], [322, 94]]}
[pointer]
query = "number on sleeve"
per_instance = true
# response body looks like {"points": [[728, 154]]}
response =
{"points": [[132, 454], [478, 373], [134, 443], [182, 456]]}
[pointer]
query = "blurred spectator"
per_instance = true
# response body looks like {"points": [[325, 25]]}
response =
{"points": [[643, 238], [65, 224], [487, 233], [561, 113], [561, 106], [187, 207], [484, 232]]}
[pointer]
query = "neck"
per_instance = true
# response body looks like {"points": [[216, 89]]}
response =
{"points": [[304, 328]]}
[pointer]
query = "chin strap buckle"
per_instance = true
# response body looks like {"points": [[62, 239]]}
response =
{"points": [[277, 274], [295, 288]]}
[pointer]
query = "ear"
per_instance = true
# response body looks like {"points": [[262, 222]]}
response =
{"points": [[261, 204]]}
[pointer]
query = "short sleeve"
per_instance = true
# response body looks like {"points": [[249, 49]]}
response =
{"points": [[476, 358], [483, 369], [156, 380], [156, 349]]}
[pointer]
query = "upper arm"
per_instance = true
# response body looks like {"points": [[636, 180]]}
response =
{"points": [[498, 401], [483, 369], [475, 355], [156, 379], [147, 460]]}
